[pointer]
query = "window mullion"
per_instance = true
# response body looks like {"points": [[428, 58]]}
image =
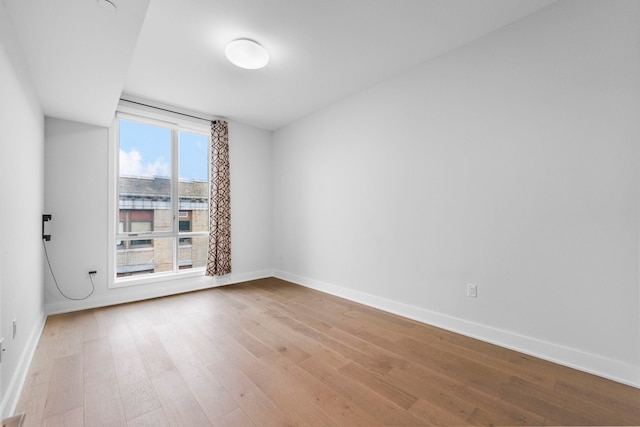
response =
{"points": [[175, 181]]}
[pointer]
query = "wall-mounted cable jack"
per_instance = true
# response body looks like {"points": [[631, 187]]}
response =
{"points": [[45, 218]]}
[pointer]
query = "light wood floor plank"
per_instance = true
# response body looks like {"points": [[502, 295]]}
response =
{"points": [[31, 403], [72, 418], [479, 351], [337, 406], [180, 406], [154, 418], [381, 408], [379, 384], [208, 392], [154, 355], [271, 353], [201, 344], [136, 392], [302, 340], [102, 404], [458, 397], [278, 386], [255, 404], [283, 346], [65, 386], [40, 369], [434, 415], [235, 418], [104, 413]]}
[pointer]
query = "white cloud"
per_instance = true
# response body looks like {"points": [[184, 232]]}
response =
{"points": [[131, 164]]}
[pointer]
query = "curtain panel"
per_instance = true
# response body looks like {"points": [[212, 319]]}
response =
{"points": [[219, 257]]}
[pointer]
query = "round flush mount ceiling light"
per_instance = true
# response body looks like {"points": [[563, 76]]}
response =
{"points": [[107, 5], [246, 53]]}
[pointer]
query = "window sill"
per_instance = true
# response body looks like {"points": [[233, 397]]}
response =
{"points": [[156, 277]]}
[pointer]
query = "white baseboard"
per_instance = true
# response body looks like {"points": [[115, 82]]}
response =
{"points": [[592, 363], [160, 289], [16, 382]]}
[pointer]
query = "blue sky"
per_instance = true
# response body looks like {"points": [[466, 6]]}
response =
{"points": [[145, 150]]}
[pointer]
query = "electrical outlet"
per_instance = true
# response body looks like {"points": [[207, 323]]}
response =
{"points": [[15, 328], [472, 290]]}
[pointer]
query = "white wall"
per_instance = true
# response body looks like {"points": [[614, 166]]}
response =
{"points": [[76, 167], [511, 163], [21, 207]]}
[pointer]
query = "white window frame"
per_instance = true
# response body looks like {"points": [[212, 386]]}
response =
{"points": [[179, 124]]}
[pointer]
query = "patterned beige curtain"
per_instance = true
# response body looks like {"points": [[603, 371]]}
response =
{"points": [[219, 259]]}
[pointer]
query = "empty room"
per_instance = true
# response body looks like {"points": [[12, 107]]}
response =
{"points": [[319, 212]]}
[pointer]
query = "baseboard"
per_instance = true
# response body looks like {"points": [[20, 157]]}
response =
{"points": [[615, 370], [161, 289], [16, 382]]}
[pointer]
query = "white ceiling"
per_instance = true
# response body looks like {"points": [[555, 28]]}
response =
{"points": [[82, 57], [78, 53]]}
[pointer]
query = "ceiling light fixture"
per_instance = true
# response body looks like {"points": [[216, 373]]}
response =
{"points": [[246, 53], [107, 5]]}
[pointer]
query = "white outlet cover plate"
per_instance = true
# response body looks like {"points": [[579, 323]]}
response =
{"points": [[472, 290]]}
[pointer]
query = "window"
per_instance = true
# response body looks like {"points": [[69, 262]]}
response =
{"points": [[161, 198]]}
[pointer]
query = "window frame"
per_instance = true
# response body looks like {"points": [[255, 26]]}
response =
{"points": [[176, 124]]}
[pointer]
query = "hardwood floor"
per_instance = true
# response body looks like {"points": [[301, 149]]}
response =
{"points": [[270, 353]]}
